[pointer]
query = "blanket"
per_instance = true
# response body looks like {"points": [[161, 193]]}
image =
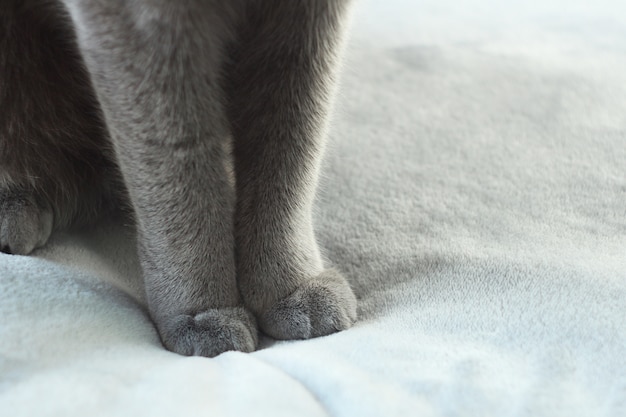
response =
{"points": [[474, 194]]}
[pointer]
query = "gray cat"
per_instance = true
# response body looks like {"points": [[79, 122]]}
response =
{"points": [[112, 102]]}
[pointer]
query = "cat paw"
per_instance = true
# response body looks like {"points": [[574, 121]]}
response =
{"points": [[321, 306], [211, 332], [24, 225]]}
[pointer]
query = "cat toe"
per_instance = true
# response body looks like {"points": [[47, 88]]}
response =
{"points": [[320, 306], [211, 332], [24, 226]]}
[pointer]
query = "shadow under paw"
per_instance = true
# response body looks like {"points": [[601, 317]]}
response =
{"points": [[24, 225], [321, 306], [211, 332]]}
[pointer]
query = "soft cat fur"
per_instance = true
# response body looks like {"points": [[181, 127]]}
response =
{"points": [[104, 102]]}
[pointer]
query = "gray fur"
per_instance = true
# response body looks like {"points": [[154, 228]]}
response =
{"points": [[175, 84], [24, 223]]}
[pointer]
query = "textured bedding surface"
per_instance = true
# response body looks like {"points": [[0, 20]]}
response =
{"points": [[474, 194]]}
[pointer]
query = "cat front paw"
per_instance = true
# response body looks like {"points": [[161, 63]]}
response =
{"points": [[322, 305], [24, 225], [211, 332]]}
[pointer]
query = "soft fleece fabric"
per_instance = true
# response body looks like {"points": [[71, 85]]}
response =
{"points": [[475, 195]]}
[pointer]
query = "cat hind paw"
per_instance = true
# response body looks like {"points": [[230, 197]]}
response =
{"points": [[24, 225]]}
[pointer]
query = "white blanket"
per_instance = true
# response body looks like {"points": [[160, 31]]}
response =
{"points": [[475, 195]]}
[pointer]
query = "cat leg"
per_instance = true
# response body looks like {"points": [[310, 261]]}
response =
{"points": [[155, 66], [53, 165], [281, 79]]}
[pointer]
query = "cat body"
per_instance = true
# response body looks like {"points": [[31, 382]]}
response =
{"points": [[113, 102]]}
